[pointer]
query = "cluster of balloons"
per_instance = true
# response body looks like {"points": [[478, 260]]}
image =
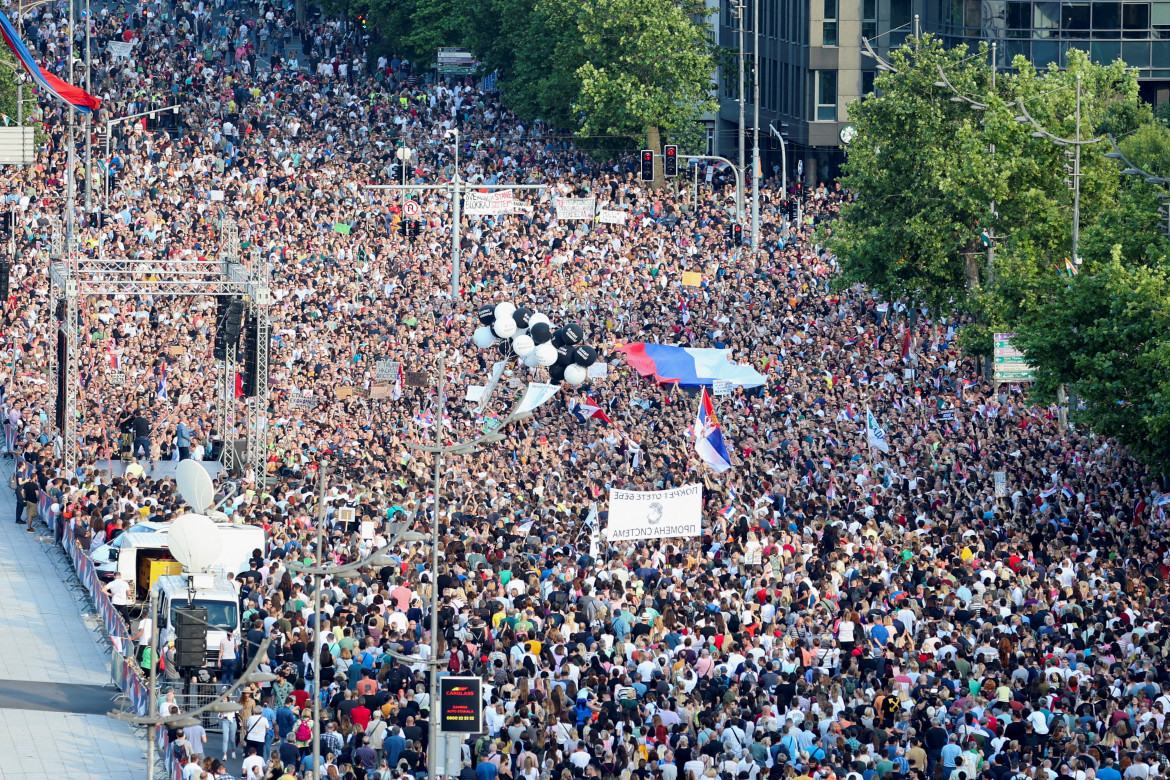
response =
{"points": [[531, 337]]}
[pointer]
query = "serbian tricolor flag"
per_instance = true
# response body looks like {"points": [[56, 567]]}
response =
{"points": [[709, 444], [66, 93], [587, 410]]}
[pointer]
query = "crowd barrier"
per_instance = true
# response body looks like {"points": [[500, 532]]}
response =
{"points": [[124, 668], [174, 771]]}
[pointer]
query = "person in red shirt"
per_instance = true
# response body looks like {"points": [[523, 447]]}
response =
{"points": [[360, 715], [300, 696]]}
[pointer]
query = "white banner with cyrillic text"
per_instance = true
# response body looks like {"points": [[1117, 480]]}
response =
{"points": [[655, 514]]}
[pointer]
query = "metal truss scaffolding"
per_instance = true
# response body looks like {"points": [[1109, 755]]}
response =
{"points": [[72, 277]]}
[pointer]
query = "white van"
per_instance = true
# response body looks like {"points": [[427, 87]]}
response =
{"points": [[150, 553], [215, 592]]}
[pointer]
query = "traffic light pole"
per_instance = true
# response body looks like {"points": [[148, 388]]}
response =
{"points": [[454, 189], [738, 178]]}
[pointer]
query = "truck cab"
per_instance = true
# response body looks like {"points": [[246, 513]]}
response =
{"points": [[214, 591]]}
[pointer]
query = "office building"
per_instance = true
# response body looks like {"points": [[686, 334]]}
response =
{"points": [[811, 66]]}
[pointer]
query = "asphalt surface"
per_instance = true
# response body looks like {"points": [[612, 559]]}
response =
{"points": [[56, 697]]}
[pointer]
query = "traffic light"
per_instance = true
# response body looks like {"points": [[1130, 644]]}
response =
{"points": [[402, 228], [737, 234], [729, 234], [647, 165], [670, 161], [190, 635], [4, 266], [6, 221], [415, 228]]}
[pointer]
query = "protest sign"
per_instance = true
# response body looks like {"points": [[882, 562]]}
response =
{"points": [[611, 217], [481, 204], [575, 208], [655, 514]]}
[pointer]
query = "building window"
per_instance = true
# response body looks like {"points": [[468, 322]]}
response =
{"points": [[1135, 20], [867, 79], [1074, 20], [1045, 20], [869, 19], [1106, 17], [829, 25], [826, 92]]}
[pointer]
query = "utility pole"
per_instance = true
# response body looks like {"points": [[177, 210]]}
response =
{"points": [[756, 177], [71, 156], [318, 557], [88, 120], [455, 190], [456, 231], [991, 225], [1076, 231], [433, 745], [152, 695], [739, 10]]}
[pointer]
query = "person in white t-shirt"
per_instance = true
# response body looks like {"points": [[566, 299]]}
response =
{"points": [[119, 593], [253, 766]]}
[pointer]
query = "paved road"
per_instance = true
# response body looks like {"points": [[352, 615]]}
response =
{"points": [[56, 697], [52, 669]]}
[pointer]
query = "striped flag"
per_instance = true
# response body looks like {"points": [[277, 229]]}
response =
{"points": [[162, 384], [72, 96]]}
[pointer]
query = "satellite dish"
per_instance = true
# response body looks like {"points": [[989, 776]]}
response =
{"points": [[195, 484], [194, 541]]}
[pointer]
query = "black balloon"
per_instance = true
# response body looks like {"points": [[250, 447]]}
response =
{"points": [[486, 315], [574, 334], [503, 347], [585, 355], [522, 316], [559, 338], [556, 373], [540, 333], [564, 356]]}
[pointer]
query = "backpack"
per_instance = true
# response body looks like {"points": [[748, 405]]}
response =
{"points": [[304, 731], [179, 754]]}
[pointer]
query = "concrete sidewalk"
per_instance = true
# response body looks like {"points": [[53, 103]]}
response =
{"points": [[48, 644]]}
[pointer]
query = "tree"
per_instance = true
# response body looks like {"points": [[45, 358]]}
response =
{"points": [[924, 176], [646, 70], [1107, 335], [619, 73]]}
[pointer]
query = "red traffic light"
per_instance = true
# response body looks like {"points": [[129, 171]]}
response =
{"points": [[647, 156]]}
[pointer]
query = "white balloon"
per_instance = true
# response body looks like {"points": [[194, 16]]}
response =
{"points": [[576, 375], [546, 354], [483, 337], [538, 317], [523, 345], [504, 311], [506, 328], [530, 359]]}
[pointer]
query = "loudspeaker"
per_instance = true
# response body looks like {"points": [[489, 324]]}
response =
{"points": [[251, 348], [190, 636], [227, 327], [62, 361]]}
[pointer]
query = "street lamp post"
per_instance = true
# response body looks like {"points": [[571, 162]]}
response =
{"points": [[456, 218], [109, 132], [756, 177], [88, 120], [1076, 143]]}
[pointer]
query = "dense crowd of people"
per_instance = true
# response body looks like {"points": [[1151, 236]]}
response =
{"points": [[986, 601]]}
